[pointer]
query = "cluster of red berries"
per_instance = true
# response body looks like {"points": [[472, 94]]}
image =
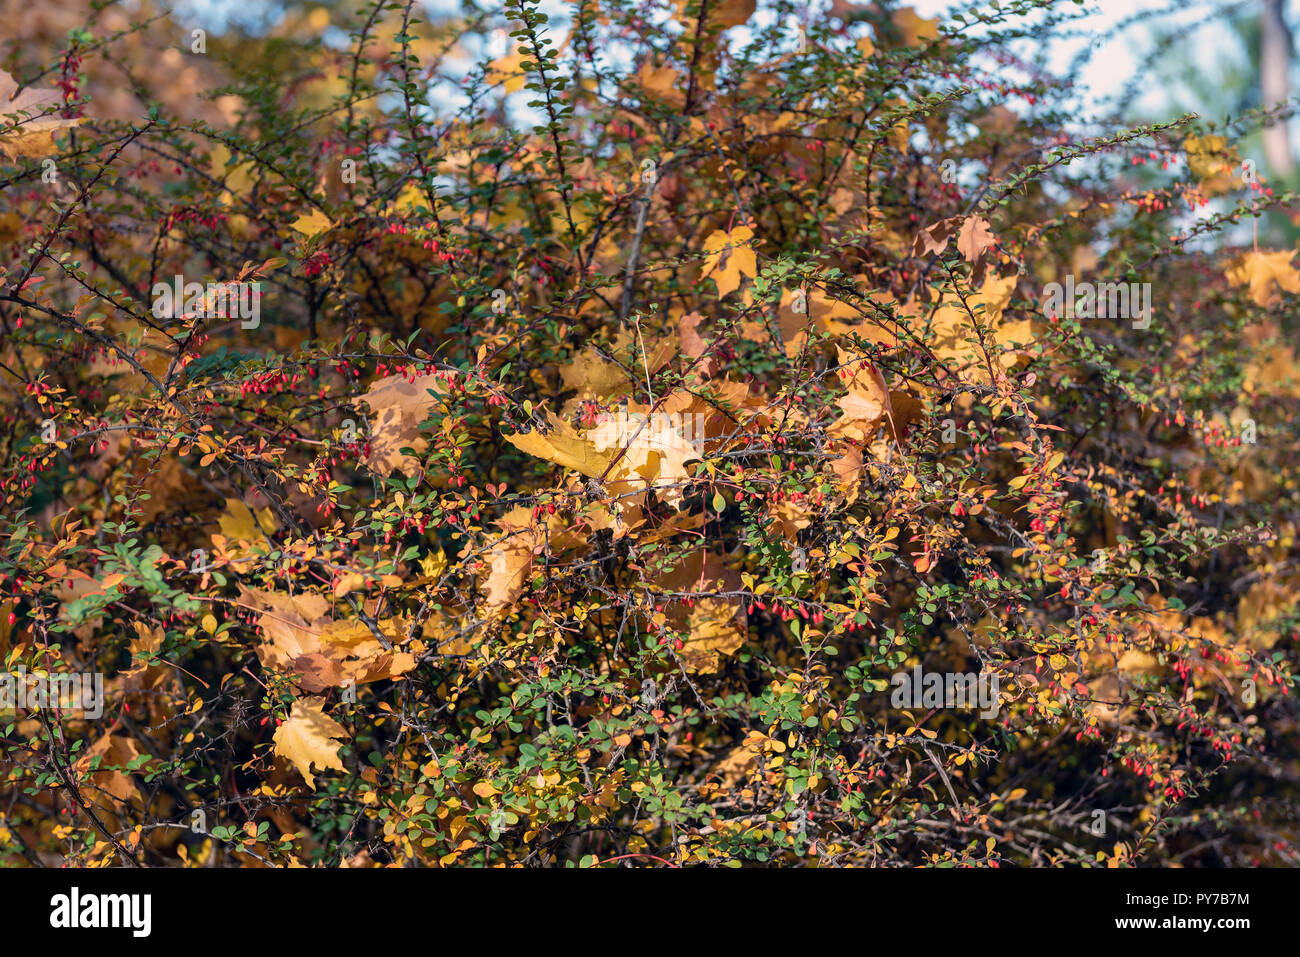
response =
{"points": [[268, 383], [178, 216], [69, 80], [316, 263]]}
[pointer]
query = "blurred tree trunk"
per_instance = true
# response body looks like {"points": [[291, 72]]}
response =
{"points": [[1274, 69]]}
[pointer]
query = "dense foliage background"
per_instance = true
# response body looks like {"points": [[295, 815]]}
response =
{"points": [[632, 394]]}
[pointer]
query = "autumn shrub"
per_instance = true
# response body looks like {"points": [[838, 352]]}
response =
{"points": [[647, 436]]}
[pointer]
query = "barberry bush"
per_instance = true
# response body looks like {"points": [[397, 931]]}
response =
{"points": [[575, 436]]}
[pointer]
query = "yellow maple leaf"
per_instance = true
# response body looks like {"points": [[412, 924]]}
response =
{"points": [[935, 237], [975, 238], [916, 30], [690, 342], [663, 82], [310, 737], [738, 765], [716, 632], [848, 470], [953, 336], [11, 227], [434, 564], [313, 223], [399, 407], [728, 259], [1212, 161], [238, 178], [109, 785], [590, 372], [1265, 272], [866, 403], [655, 451], [289, 623], [511, 559], [239, 524], [1278, 370], [27, 125], [302, 642], [562, 446], [507, 71], [789, 517]]}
